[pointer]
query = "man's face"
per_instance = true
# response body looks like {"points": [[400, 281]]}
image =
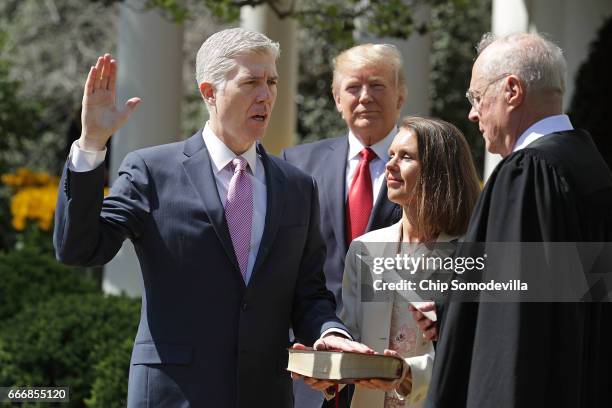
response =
{"points": [[369, 100], [489, 109], [241, 109]]}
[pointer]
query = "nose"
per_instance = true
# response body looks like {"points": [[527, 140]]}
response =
{"points": [[365, 95], [473, 114], [391, 165], [264, 93]]}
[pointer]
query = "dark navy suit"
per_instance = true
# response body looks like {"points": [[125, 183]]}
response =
{"points": [[205, 338]]}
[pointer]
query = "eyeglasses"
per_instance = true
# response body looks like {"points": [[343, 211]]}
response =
{"points": [[475, 97]]}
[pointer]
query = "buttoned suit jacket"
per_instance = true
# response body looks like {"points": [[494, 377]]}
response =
{"points": [[205, 339]]}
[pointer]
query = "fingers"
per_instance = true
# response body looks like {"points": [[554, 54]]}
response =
{"points": [[299, 346], [97, 71], [377, 384], [319, 385], [105, 74], [89, 83], [393, 353], [112, 80], [333, 342], [431, 333]]}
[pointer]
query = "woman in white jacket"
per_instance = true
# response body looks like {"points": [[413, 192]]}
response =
{"points": [[431, 175]]}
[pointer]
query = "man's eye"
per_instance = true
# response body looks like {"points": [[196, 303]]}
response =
{"points": [[272, 82]]}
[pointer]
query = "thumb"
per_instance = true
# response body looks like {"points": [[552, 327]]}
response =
{"points": [[131, 104], [299, 346], [129, 107]]}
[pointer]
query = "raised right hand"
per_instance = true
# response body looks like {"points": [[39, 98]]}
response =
{"points": [[100, 118]]}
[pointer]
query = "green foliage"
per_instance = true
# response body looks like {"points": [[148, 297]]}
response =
{"points": [[48, 47], [28, 276], [335, 20], [17, 116], [110, 375], [57, 342], [456, 29], [590, 106], [318, 118]]}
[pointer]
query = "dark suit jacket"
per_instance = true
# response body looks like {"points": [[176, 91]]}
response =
{"points": [[204, 339], [325, 160]]}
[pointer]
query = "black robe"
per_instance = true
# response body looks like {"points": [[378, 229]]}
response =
{"points": [[558, 189]]}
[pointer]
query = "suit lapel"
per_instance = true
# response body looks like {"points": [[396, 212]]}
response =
{"points": [[275, 187], [384, 212], [199, 170], [333, 185]]}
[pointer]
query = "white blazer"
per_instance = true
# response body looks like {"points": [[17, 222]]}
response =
{"points": [[370, 321]]}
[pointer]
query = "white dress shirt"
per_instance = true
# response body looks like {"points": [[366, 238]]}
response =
{"points": [[377, 165], [548, 125]]}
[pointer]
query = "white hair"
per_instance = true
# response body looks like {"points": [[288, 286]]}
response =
{"points": [[534, 59], [216, 57]]}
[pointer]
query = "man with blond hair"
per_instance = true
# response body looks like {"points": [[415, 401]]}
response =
{"points": [[227, 237], [551, 187], [369, 90]]}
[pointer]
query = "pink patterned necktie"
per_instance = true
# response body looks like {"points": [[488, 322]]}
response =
{"points": [[239, 212]]}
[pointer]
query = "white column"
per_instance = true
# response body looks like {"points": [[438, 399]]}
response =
{"points": [[416, 52], [281, 131], [509, 16], [150, 60]]}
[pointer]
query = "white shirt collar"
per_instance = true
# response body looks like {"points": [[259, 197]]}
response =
{"points": [[221, 155], [381, 148], [550, 124]]}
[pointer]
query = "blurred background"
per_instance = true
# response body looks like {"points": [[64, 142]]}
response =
{"points": [[64, 326]]}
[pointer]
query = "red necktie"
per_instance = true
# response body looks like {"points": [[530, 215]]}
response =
{"points": [[360, 197]]}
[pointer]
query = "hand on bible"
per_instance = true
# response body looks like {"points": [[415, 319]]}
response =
{"points": [[402, 385], [100, 118], [330, 342]]}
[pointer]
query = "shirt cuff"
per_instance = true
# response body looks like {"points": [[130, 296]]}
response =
{"points": [[336, 330], [420, 368], [80, 160]]}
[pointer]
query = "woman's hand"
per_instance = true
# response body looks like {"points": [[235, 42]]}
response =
{"points": [[403, 385]]}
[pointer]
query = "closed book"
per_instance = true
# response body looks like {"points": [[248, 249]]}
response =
{"points": [[342, 366]]}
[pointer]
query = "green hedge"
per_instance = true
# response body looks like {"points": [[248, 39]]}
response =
{"points": [[78, 341], [28, 276]]}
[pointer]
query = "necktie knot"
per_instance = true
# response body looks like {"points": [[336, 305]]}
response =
{"points": [[367, 154], [239, 164]]}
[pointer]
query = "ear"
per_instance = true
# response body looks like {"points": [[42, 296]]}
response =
{"points": [[514, 91], [337, 100], [208, 92], [401, 98]]}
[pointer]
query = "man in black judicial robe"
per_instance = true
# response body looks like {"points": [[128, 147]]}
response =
{"points": [[552, 186]]}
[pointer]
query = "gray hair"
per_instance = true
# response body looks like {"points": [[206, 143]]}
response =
{"points": [[370, 55], [216, 57], [536, 60]]}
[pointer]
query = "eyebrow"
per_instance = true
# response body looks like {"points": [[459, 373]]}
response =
{"points": [[258, 77]]}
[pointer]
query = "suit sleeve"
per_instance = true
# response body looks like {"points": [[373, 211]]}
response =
{"points": [[90, 229], [314, 305], [351, 297]]}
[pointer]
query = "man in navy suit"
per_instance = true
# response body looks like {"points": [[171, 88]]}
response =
{"points": [[227, 237], [369, 90]]}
